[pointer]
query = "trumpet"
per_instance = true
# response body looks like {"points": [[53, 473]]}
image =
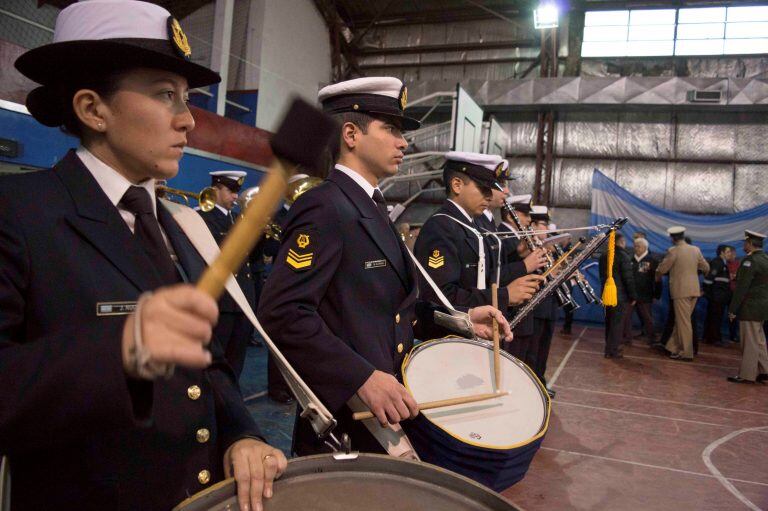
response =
{"points": [[206, 198], [295, 189]]}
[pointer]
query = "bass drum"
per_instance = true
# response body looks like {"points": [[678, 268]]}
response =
{"points": [[372, 482]]}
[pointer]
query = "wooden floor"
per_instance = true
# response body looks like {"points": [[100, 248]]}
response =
{"points": [[648, 433]]}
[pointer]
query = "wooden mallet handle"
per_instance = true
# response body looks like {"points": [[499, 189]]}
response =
{"points": [[300, 140]]}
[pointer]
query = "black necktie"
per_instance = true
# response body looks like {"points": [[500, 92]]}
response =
{"points": [[378, 198], [147, 231]]}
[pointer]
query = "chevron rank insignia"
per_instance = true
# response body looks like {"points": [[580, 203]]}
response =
{"points": [[299, 261], [436, 260]]}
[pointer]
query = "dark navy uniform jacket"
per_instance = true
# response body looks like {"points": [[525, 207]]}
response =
{"points": [[454, 254], [511, 256], [80, 434], [219, 224], [717, 283], [341, 300]]}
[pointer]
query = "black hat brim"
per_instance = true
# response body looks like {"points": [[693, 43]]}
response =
{"points": [[65, 61], [406, 123]]}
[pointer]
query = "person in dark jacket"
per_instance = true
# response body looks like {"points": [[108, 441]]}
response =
{"points": [[644, 273], [233, 330], [717, 290], [343, 300], [625, 287], [112, 394], [750, 307]]}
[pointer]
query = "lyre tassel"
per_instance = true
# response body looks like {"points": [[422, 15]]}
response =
{"points": [[610, 293]]}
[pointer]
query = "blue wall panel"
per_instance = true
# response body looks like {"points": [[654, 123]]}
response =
{"points": [[42, 147]]}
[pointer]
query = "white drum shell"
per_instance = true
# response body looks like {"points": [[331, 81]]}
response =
{"points": [[449, 368]]}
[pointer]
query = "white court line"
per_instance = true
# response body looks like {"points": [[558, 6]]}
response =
{"points": [[617, 410], [706, 456], [648, 465], [565, 359], [666, 360], [646, 347], [255, 396], [736, 410]]}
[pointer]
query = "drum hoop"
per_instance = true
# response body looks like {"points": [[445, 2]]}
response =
{"points": [[523, 365], [486, 493], [203, 493]]}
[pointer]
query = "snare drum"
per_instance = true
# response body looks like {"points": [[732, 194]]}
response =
{"points": [[373, 482], [493, 441]]}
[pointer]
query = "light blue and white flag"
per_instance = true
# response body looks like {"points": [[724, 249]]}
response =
{"points": [[610, 201]]}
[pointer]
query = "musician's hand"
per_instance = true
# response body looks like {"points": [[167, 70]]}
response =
{"points": [[254, 465], [535, 260], [522, 250], [389, 401], [482, 322], [176, 325], [731, 317], [522, 289]]}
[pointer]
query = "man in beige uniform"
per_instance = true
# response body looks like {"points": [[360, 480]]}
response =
{"points": [[750, 306], [682, 262]]}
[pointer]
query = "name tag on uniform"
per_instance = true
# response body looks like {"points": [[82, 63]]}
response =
{"points": [[115, 308], [380, 263]]}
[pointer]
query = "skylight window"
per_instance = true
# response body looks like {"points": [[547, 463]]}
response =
{"points": [[666, 32]]}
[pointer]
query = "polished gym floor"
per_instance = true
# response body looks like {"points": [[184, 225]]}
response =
{"points": [[639, 433]]}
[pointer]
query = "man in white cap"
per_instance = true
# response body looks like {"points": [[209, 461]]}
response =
{"points": [[233, 329], [342, 301], [545, 314], [113, 395], [515, 249], [750, 306], [682, 262], [451, 246]]}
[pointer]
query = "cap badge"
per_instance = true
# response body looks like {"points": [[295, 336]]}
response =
{"points": [[180, 42], [240, 181], [499, 170], [303, 240], [403, 97]]}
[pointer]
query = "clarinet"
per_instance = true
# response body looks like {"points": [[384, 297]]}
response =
{"points": [[564, 298], [581, 281], [565, 273]]}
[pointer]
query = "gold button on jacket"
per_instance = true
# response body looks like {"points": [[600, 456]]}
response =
{"points": [[203, 435], [400, 348], [204, 477], [194, 392], [397, 318]]}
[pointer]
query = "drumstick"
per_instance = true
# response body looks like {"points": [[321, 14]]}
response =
{"points": [[560, 261], [429, 405], [496, 350], [300, 140]]}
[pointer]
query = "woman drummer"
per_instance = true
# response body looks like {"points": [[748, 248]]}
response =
{"points": [[111, 394]]}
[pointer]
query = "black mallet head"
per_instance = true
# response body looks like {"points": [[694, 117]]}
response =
{"points": [[303, 135]]}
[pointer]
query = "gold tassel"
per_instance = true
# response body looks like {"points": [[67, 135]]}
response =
{"points": [[610, 293]]}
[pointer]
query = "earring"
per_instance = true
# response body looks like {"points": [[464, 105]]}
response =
{"points": [[100, 125]]}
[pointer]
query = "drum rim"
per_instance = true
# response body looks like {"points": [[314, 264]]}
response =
{"points": [[203, 493], [487, 493], [488, 345]]}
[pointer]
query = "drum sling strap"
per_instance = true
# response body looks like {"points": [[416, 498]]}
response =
{"points": [[393, 439], [201, 238], [480, 250]]}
